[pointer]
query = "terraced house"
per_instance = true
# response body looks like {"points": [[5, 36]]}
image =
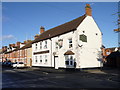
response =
{"points": [[75, 44]]}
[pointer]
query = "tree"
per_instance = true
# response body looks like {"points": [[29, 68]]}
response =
{"points": [[118, 23]]}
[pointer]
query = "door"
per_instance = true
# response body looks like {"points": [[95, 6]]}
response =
{"points": [[56, 62]]}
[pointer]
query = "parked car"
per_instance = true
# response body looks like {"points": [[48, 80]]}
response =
{"points": [[4, 63], [18, 64], [8, 64]]}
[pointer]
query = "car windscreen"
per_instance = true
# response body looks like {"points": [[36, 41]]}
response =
{"points": [[20, 62]]}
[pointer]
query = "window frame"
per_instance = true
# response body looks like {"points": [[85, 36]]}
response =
{"points": [[40, 44], [40, 58], [45, 44], [36, 59], [46, 58], [36, 46], [70, 42]]}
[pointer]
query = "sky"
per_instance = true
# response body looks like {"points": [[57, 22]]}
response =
{"points": [[22, 20]]}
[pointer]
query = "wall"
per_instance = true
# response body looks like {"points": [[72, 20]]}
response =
{"points": [[89, 52], [38, 63]]}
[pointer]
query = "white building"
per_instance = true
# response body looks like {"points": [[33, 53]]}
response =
{"points": [[76, 42]]}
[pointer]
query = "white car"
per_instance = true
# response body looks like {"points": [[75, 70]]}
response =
{"points": [[18, 64]]}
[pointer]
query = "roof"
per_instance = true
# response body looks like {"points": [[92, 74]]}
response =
{"points": [[69, 53], [28, 45], [61, 29], [113, 49]]}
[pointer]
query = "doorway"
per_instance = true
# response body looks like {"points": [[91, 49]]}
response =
{"points": [[56, 62]]}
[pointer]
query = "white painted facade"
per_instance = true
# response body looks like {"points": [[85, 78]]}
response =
{"points": [[86, 54], [41, 59]]}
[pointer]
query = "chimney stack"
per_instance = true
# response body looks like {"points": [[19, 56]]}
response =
{"points": [[42, 29], [18, 43], [88, 10], [4, 48], [36, 36]]}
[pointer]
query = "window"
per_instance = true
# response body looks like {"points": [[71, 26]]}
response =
{"points": [[56, 45], [60, 43], [45, 45], [45, 58], [83, 31], [70, 43], [36, 46], [83, 38], [71, 62], [40, 59], [36, 59], [41, 45], [67, 62], [71, 57], [66, 57], [96, 34], [108, 53]]}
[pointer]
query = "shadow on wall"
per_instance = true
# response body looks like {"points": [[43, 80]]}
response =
{"points": [[113, 60]]}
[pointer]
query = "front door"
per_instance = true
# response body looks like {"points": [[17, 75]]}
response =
{"points": [[56, 62]]}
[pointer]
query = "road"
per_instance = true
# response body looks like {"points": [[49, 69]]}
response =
{"points": [[30, 78]]}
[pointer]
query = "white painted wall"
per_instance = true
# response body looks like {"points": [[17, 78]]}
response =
{"points": [[88, 53], [43, 63], [85, 56]]}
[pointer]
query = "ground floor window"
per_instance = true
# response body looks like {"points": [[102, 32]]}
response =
{"points": [[46, 57], [35, 59], [40, 59], [69, 60]]}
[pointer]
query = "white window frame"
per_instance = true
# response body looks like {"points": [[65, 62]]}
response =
{"points": [[56, 46], [70, 43], [36, 59], [40, 44], [45, 46], [41, 58], [46, 58], [36, 46]]}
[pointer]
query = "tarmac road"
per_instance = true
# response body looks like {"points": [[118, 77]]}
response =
{"points": [[36, 78]]}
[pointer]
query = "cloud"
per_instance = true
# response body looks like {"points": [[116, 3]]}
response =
{"points": [[92, 4], [8, 37]]}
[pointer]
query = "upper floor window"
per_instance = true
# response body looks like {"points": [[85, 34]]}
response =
{"points": [[83, 38], [41, 45], [60, 43], [36, 46], [70, 43], [56, 45], [45, 45], [108, 53]]}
